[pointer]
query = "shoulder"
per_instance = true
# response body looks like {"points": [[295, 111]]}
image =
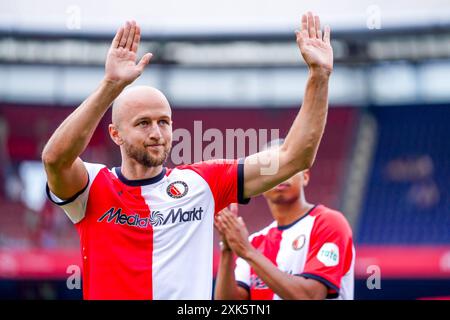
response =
{"points": [[327, 219], [101, 176], [256, 236], [216, 172], [94, 168], [207, 164]]}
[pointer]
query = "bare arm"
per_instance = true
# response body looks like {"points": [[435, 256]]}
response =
{"points": [[301, 144], [66, 172], [284, 285], [226, 286]]}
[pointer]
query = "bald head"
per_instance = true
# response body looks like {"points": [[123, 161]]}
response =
{"points": [[138, 99]]}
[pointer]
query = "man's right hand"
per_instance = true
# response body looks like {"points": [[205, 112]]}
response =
{"points": [[121, 67]]}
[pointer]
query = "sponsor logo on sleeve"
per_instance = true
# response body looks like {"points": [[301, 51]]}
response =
{"points": [[329, 254]]}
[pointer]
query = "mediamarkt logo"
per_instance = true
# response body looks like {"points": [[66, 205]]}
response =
{"points": [[156, 217]]}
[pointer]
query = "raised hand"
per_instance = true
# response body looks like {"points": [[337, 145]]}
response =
{"points": [[121, 67], [315, 47]]}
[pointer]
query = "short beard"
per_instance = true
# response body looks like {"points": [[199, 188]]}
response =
{"points": [[142, 157]]}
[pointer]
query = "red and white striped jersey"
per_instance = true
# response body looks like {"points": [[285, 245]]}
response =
{"points": [[319, 246], [151, 238]]}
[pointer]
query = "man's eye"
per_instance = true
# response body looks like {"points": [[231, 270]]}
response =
{"points": [[143, 123], [164, 122]]}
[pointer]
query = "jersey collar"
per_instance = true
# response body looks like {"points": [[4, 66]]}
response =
{"points": [[140, 182], [287, 226]]}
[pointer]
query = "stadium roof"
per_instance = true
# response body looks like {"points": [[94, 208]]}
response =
{"points": [[203, 16]]}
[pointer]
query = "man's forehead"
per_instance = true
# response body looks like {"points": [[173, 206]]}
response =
{"points": [[134, 112], [141, 101], [154, 112]]}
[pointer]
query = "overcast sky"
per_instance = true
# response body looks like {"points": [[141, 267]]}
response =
{"points": [[216, 16]]}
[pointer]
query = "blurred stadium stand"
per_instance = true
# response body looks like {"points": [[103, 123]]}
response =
{"points": [[408, 198]]}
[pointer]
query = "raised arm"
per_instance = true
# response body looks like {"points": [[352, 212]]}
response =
{"points": [[266, 169], [66, 172]]}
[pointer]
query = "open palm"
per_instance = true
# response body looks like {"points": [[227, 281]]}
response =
{"points": [[121, 64], [315, 48]]}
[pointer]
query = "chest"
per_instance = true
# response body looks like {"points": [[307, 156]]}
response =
{"points": [[288, 249], [174, 202]]}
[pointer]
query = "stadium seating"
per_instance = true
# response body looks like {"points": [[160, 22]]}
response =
{"points": [[407, 199]]}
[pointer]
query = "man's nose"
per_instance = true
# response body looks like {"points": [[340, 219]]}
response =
{"points": [[155, 132]]}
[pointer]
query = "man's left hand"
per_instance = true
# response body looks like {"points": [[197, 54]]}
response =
{"points": [[235, 233], [315, 47]]}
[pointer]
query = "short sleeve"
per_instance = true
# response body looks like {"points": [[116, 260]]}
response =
{"points": [[331, 251], [242, 274], [225, 179], [75, 207]]}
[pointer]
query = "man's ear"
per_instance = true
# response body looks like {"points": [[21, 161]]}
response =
{"points": [[306, 175], [114, 134]]}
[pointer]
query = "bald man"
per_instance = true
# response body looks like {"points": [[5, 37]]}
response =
{"points": [[146, 231]]}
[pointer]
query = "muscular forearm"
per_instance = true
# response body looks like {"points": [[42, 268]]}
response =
{"points": [[284, 285], [300, 146], [73, 135], [301, 143], [226, 287]]}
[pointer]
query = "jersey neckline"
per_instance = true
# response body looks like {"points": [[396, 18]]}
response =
{"points": [[287, 226], [139, 182]]}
